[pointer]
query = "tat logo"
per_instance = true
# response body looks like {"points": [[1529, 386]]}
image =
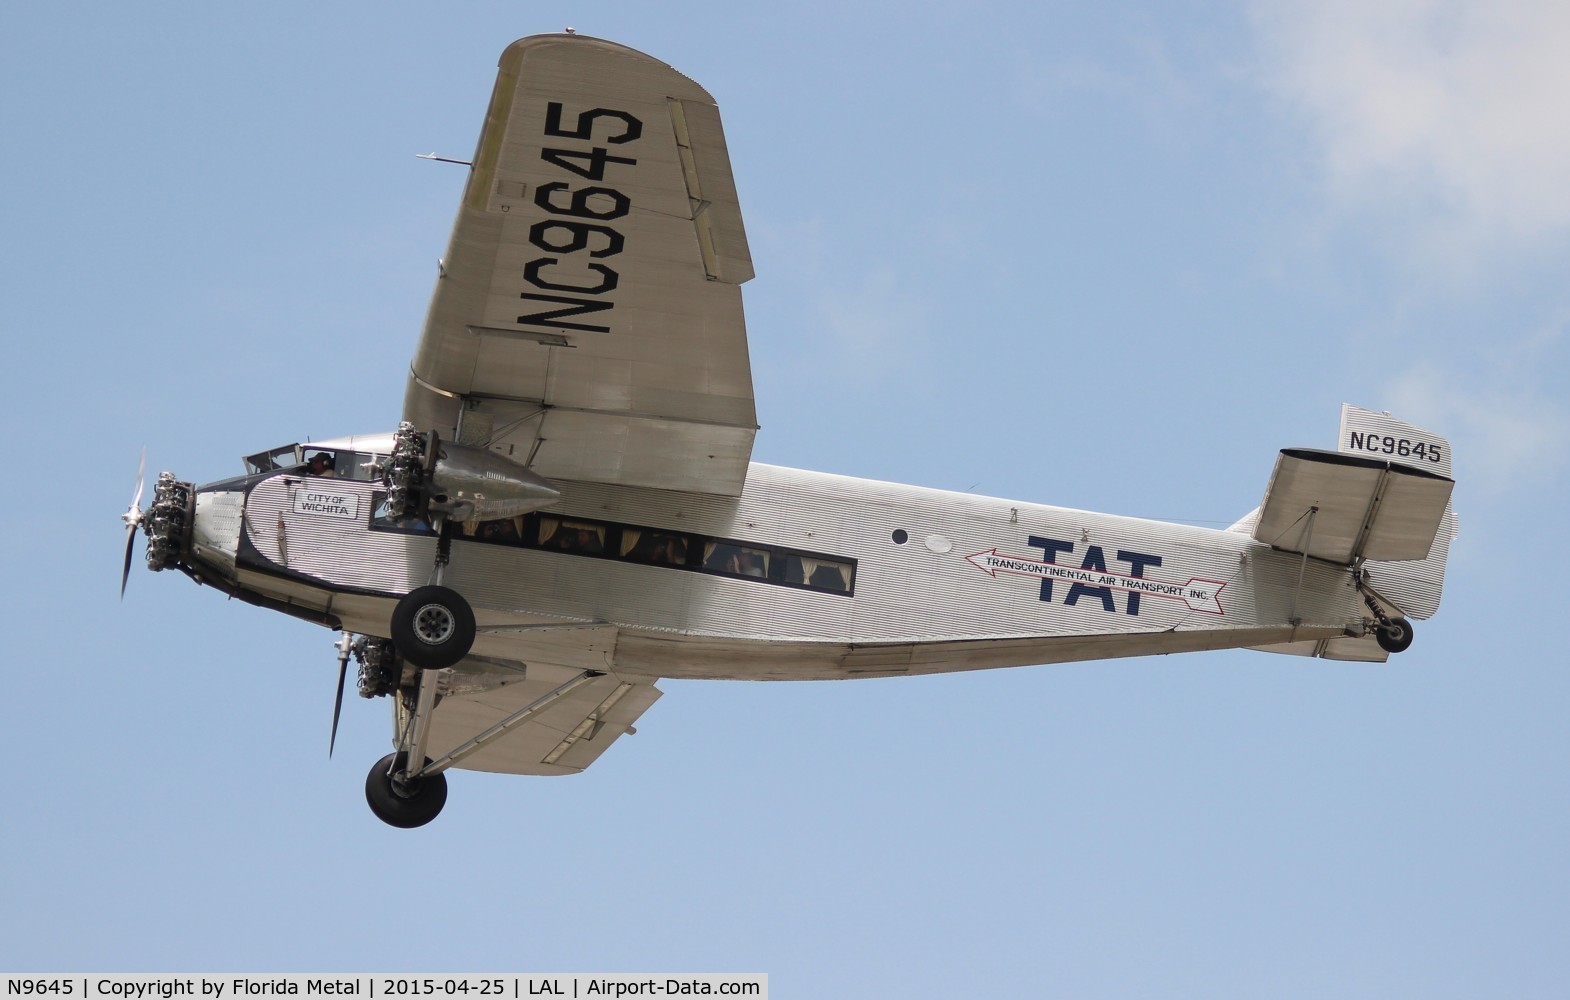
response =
{"points": [[1092, 581]]}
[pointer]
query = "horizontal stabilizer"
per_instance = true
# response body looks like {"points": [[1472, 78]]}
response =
{"points": [[1342, 508]]}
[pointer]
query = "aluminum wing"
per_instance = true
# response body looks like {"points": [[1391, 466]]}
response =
{"points": [[553, 734], [587, 320]]}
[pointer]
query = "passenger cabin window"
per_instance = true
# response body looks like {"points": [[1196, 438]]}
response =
{"points": [[649, 546], [660, 548], [381, 520], [582, 537], [736, 560]]}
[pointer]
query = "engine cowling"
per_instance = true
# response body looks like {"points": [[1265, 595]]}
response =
{"points": [[427, 476]]}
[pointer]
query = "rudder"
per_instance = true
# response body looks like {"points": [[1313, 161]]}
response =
{"points": [[1414, 586]]}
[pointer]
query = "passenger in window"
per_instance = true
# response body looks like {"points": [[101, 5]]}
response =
{"points": [[503, 531], [381, 519], [577, 538], [793, 571], [741, 562], [660, 549], [827, 577]]}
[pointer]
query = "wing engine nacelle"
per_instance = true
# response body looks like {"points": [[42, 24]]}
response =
{"points": [[427, 476]]}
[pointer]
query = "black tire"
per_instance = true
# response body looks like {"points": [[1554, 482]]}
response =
{"points": [[1395, 637], [433, 627], [405, 805]]}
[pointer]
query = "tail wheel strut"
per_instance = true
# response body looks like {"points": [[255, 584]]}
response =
{"points": [[1394, 635]]}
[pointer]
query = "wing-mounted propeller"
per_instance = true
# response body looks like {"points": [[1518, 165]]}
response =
{"points": [[379, 672], [133, 520], [345, 645]]}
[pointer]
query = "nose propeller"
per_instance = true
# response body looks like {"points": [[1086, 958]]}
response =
{"points": [[133, 519]]}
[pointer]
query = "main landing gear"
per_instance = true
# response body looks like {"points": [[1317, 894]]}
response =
{"points": [[399, 800], [432, 629]]}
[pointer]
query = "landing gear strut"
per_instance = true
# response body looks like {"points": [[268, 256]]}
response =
{"points": [[407, 797], [399, 800]]}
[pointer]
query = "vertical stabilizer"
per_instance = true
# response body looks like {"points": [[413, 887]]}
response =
{"points": [[1412, 586], [1379, 435]]}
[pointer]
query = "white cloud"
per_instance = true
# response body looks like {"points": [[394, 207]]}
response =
{"points": [[1506, 419], [1449, 113], [875, 324]]}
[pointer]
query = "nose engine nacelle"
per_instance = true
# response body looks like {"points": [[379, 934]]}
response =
{"points": [[168, 522], [426, 477]]}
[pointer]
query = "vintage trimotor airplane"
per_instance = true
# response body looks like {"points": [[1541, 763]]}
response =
{"points": [[568, 511]]}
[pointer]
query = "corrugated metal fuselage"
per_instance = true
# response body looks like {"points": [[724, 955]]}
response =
{"points": [[943, 581]]}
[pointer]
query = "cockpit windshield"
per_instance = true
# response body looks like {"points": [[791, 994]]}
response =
{"points": [[333, 463], [285, 457]]}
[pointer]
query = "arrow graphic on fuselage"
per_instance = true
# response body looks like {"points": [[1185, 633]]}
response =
{"points": [[1199, 595]]}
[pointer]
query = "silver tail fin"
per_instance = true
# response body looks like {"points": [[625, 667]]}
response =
{"points": [[1412, 586]]}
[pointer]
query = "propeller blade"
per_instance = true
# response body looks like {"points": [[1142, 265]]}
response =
{"points": [[343, 675], [132, 517], [141, 466], [130, 543]]}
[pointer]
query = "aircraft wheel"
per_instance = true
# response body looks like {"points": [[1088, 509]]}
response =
{"points": [[433, 627], [401, 803], [1394, 637]]}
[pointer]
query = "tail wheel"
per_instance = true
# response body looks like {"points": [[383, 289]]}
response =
{"points": [[433, 627], [1394, 636], [399, 802]]}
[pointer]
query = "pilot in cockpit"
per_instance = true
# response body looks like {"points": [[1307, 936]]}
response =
{"points": [[321, 464]]}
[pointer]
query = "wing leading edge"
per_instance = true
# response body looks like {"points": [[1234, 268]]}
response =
{"points": [[587, 321]]}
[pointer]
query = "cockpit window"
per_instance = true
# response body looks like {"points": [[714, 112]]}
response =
{"points": [[323, 462], [284, 457], [359, 465]]}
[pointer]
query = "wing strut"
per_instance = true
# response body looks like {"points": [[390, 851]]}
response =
{"points": [[1308, 542], [523, 714]]}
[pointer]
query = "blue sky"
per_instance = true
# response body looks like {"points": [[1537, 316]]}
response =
{"points": [[1107, 256]]}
